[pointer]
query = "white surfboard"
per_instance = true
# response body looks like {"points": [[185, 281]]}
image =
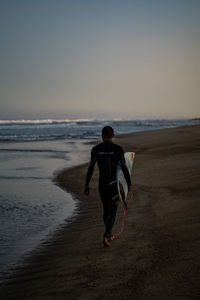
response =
{"points": [[121, 181]]}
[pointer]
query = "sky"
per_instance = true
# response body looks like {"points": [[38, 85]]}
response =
{"points": [[99, 59]]}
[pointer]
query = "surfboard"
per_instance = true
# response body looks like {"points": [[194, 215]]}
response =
{"points": [[121, 181]]}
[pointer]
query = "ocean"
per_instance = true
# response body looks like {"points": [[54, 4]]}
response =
{"points": [[46, 130], [32, 207]]}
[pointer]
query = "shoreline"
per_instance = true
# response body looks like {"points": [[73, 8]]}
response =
{"points": [[31, 206], [76, 266]]}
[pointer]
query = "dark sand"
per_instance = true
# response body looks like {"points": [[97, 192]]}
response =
{"points": [[157, 256]]}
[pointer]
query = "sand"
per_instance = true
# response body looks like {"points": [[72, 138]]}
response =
{"points": [[156, 257]]}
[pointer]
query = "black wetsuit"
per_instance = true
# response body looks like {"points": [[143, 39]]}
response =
{"points": [[108, 155]]}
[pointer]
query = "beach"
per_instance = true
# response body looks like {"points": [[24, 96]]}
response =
{"points": [[156, 257]]}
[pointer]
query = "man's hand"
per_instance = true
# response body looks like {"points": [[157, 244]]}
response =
{"points": [[86, 190]]}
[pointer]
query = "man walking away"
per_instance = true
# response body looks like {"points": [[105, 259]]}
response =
{"points": [[107, 155]]}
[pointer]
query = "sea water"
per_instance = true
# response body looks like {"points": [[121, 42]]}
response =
{"points": [[41, 130], [31, 205], [31, 152]]}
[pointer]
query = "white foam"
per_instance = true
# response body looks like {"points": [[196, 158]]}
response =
{"points": [[44, 121]]}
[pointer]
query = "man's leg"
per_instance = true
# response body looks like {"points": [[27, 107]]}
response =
{"points": [[112, 210], [106, 218], [105, 211], [112, 207], [104, 195]]}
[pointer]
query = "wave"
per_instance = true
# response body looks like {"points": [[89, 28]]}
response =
{"points": [[87, 120], [61, 121], [53, 121], [44, 121]]}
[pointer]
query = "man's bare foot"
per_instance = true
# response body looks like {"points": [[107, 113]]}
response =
{"points": [[112, 237], [106, 242]]}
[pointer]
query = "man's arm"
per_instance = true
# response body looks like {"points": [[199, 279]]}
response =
{"points": [[125, 169], [90, 171]]}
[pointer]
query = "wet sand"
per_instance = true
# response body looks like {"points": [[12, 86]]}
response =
{"points": [[157, 256]]}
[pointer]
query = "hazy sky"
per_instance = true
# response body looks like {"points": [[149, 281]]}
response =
{"points": [[129, 59]]}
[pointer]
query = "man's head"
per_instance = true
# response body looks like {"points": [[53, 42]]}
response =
{"points": [[107, 133]]}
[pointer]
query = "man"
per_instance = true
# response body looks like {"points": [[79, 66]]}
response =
{"points": [[107, 155]]}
